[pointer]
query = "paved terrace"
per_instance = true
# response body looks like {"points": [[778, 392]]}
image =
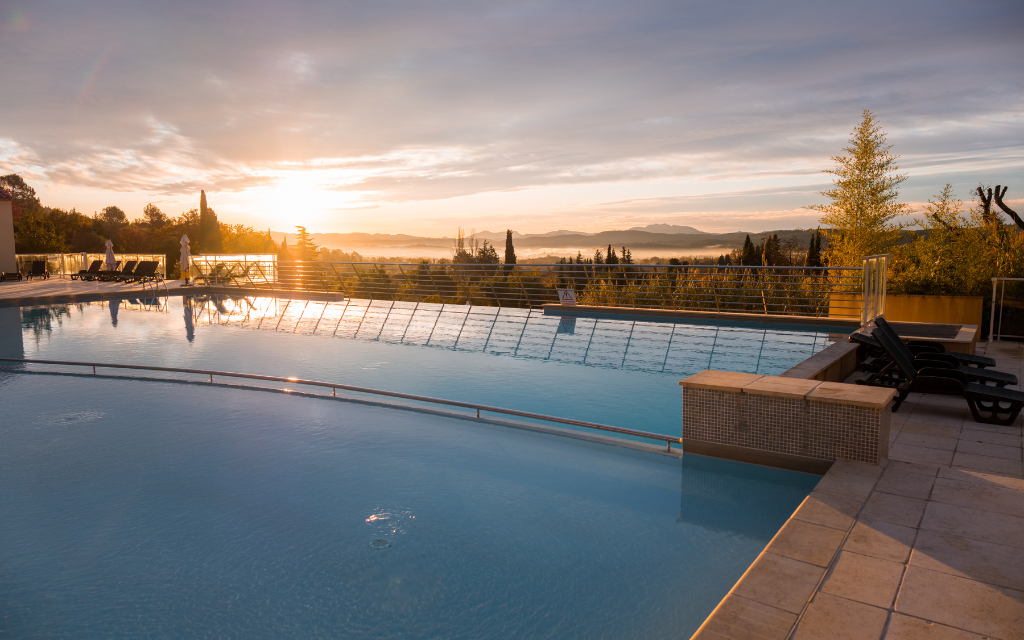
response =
{"points": [[928, 545], [57, 289]]}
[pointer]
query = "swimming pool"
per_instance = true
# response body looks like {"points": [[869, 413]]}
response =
{"points": [[611, 371], [135, 509]]}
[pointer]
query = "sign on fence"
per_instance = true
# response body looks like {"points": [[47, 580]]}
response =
{"points": [[567, 297]]}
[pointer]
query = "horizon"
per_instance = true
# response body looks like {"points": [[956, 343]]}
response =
{"points": [[529, 116]]}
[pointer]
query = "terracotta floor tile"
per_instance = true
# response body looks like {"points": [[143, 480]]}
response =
{"points": [[978, 495], [840, 619], [829, 511], [811, 543], [977, 435], [895, 509], [914, 467], [987, 449], [779, 582], [931, 442], [962, 603], [995, 564], [930, 429], [865, 579], [741, 618], [903, 627], [924, 455], [905, 483], [842, 483], [987, 463], [972, 475], [987, 526], [881, 540]]}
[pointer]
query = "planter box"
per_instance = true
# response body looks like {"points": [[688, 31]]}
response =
{"points": [[935, 309]]}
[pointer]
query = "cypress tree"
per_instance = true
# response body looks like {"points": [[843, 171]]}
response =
{"points": [[510, 251], [611, 258], [749, 256], [209, 227]]}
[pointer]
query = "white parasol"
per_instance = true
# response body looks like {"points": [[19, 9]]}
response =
{"points": [[185, 259], [111, 258]]}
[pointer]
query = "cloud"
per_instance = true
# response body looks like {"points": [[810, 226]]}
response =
{"points": [[406, 102]]}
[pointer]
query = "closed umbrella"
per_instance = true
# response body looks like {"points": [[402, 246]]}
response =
{"points": [[185, 259], [111, 258]]}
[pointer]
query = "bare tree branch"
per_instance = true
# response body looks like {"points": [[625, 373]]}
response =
{"points": [[998, 196]]}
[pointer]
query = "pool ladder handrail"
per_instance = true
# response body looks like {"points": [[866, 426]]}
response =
{"points": [[334, 386]]}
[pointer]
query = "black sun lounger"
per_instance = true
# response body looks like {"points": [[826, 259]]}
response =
{"points": [[117, 274], [39, 270], [926, 349], [88, 274], [893, 376], [875, 353], [990, 405], [145, 271]]}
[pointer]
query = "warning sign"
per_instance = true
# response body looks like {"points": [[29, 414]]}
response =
{"points": [[567, 297]]}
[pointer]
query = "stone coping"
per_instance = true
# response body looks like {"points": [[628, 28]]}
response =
{"points": [[780, 387], [737, 318]]}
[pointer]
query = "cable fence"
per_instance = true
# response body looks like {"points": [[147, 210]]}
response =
{"points": [[795, 291]]}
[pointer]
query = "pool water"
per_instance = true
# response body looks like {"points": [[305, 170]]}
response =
{"points": [[611, 371], [136, 509]]}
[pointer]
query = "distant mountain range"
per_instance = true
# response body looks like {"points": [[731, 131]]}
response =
{"points": [[662, 237]]}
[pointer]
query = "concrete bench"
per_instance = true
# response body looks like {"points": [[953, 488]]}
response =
{"points": [[784, 422]]}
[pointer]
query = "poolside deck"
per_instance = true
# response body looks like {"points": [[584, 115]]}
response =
{"points": [[58, 289], [928, 545]]}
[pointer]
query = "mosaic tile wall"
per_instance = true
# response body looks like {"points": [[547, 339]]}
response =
{"points": [[811, 428]]}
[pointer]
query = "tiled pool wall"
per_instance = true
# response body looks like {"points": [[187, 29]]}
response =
{"points": [[801, 419]]}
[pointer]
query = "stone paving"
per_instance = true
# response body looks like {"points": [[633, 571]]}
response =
{"points": [[39, 291], [929, 544]]}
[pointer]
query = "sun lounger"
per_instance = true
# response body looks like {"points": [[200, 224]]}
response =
{"points": [[4, 276], [990, 405], [88, 274], [875, 355], [109, 274], [38, 270], [144, 272], [117, 274], [925, 348], [892, 376]]}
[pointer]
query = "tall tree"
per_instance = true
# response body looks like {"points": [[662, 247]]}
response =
{"points": [[304, 245], [153, 216], [861, 214], [510, 251], [749, 256], [611, 258], [24, 196], [209, 228], [813, 258]]}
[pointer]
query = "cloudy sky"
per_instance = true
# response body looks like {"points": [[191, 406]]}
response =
{"points": [[416, 116]]}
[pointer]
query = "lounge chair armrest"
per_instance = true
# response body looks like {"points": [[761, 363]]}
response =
{"points": [[925, 345], [920, 363], [933, 356], [948, 374]]}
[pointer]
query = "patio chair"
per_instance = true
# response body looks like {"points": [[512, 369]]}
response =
{"points": [[145, 271], [87, 274], [919, 348], [891, 376], [38, 270], [116, 274], [989, 405]]}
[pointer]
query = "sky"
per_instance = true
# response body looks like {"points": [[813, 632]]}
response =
{"points": [[421, 116]]}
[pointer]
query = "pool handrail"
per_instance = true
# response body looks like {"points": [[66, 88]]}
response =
{"points": [[334, 386]]}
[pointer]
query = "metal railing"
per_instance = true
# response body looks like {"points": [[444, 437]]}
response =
{"points": [[802, 291], [334, 386], [995, 322], [66, 264]]}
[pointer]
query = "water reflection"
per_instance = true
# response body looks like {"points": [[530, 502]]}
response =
{"points": [[749, 500], [658, 347], [114, 305]]}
